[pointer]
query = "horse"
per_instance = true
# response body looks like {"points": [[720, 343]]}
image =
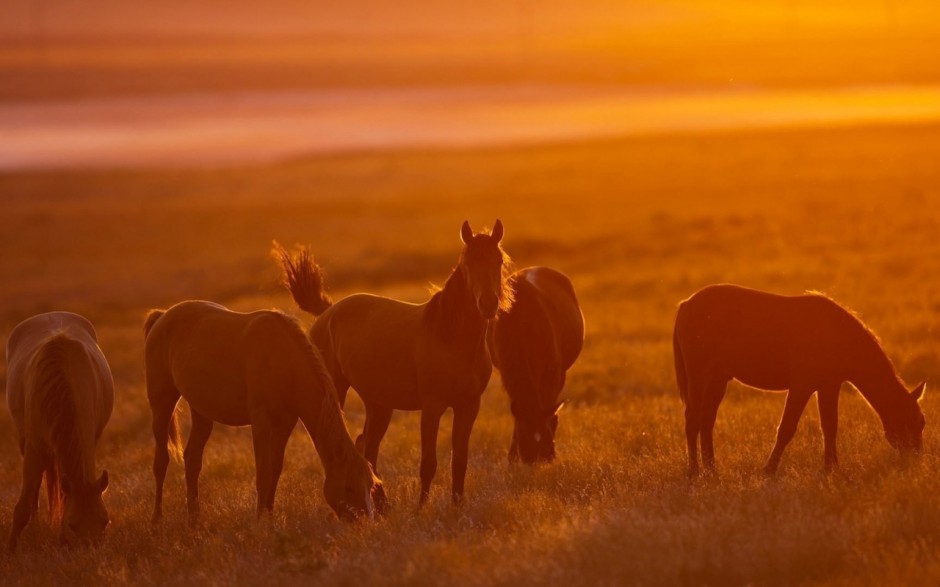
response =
{"points": [[805, 344], [403, 356], [60, 394], [248, 369], [533, 344]]}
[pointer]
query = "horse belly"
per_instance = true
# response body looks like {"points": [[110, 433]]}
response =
{"points": [[219, 400], [761, 366], [387, 391]]}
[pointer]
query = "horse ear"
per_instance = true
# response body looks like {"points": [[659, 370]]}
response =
{"points": [[103, 481], [497, 233], [560, 405], [918, 392], [466, 233]]}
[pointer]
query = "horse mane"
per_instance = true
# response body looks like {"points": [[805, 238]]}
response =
{"points": [[507, 294], [61, 415], [868, 335]]}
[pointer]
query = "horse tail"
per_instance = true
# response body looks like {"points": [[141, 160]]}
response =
{"points": [[174, 437], [303, 278], [151, 319], [681, 376], [55, 494]]}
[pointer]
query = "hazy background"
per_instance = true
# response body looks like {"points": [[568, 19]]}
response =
{"points": [[150, 152], [113, 83]]}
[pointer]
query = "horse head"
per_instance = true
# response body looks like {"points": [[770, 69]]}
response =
{"points": [[84, 517], [534, 433], [353, 491], [485, 266], [905, 428]]}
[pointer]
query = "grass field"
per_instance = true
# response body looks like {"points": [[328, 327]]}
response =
{"points": [[638, 224]]}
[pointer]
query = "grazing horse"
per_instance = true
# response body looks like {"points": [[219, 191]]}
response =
{"points": [[401, 356], [254, 369], [805, 344], [533, 344], [60, 393]]}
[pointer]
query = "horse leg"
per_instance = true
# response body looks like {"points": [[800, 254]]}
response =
{"points": [[827, 400], [377, 420], [431, 413], [162, 407], [514, 447], [280, 434], [792, 410], [693, 421], [714, 393], [192, 457], [261, 437], [34, 464], [464, 416]]}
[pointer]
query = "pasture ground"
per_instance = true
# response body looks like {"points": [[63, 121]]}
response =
{"points": [[638, 224]]}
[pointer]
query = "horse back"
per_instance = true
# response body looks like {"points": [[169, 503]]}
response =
{"points": [[558, 306], [539, 337], [765, 340], [72, 339], [371, 343]]}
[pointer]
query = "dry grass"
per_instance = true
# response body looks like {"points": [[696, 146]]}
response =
{"points": [[639, 225]]}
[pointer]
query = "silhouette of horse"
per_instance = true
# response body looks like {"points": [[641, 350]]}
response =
{"points": [[401, 356], [805, 344], [533, 344], [60, 394], [254, 369]]}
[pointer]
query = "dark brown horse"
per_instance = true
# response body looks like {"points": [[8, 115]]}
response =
{"points": [[805, 344], [60, 394], [533, 344], [401, 356]]}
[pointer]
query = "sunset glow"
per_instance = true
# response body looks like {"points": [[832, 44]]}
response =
{"points": [[612, 292]]}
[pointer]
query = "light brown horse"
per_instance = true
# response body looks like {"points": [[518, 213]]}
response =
{"points": [[254, 369], [401, 356], [533, 344], [60, 394], [805, 344]]}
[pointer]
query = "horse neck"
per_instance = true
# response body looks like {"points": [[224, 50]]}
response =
{"points": [[323, 418], [875, 378], [453, 313]]}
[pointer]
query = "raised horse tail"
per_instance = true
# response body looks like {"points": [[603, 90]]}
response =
{"points": [[303, 278], [681, 378], [151, 319]]}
